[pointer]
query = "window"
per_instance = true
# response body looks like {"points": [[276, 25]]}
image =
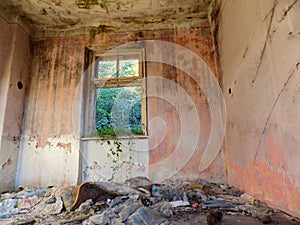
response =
{"points": [[119, 94]]}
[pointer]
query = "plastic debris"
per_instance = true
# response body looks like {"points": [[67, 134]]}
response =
{"points": [[19, 202], [195, 205], [179, 203], [8, 208], [217, 204]]}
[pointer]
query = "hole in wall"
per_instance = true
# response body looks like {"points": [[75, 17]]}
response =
{"points": [[20, 85], [229, 90]]}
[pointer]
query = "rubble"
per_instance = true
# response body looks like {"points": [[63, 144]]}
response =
{"points": [[19, 201], [265, 219], [176, 204], [214, 218], [137, 201]]}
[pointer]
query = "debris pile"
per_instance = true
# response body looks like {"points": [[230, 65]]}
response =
{"points": [[135, 202], [19, 201]]}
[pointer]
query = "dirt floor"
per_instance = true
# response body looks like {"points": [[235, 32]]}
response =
{"points": [[198, 217]]}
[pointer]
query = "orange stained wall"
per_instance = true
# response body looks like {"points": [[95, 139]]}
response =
{"points": [[57, 69]]}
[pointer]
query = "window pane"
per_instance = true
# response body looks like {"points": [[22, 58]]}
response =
{"points": [[107, 69], [118, 111], [129, 68]]}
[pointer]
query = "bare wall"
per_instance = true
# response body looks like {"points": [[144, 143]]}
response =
{"points": [[15, 53], [260, 56], [50, 151], [50, 140]]}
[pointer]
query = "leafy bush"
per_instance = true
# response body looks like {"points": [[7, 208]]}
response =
{"points": [[118, 111]]}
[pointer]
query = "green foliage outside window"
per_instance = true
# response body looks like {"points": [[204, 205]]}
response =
{"points": [[127, 68], [118, 110]]}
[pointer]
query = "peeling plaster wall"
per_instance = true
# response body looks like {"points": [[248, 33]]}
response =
{"points": [[97, 165], [260, 62], [164, 121], [50, 140], [15, 60], [55, 163], [53, 111]]}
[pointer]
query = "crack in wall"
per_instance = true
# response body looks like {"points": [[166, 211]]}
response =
{"points": [[287, 10], [294, 69], [245, 52], [270, 11], [266, 41]]}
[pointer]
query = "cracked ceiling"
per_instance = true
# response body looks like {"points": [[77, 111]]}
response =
{"points": [[44, 17]]}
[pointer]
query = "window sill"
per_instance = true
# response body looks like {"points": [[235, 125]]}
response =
{"points": [[114, 138]]}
